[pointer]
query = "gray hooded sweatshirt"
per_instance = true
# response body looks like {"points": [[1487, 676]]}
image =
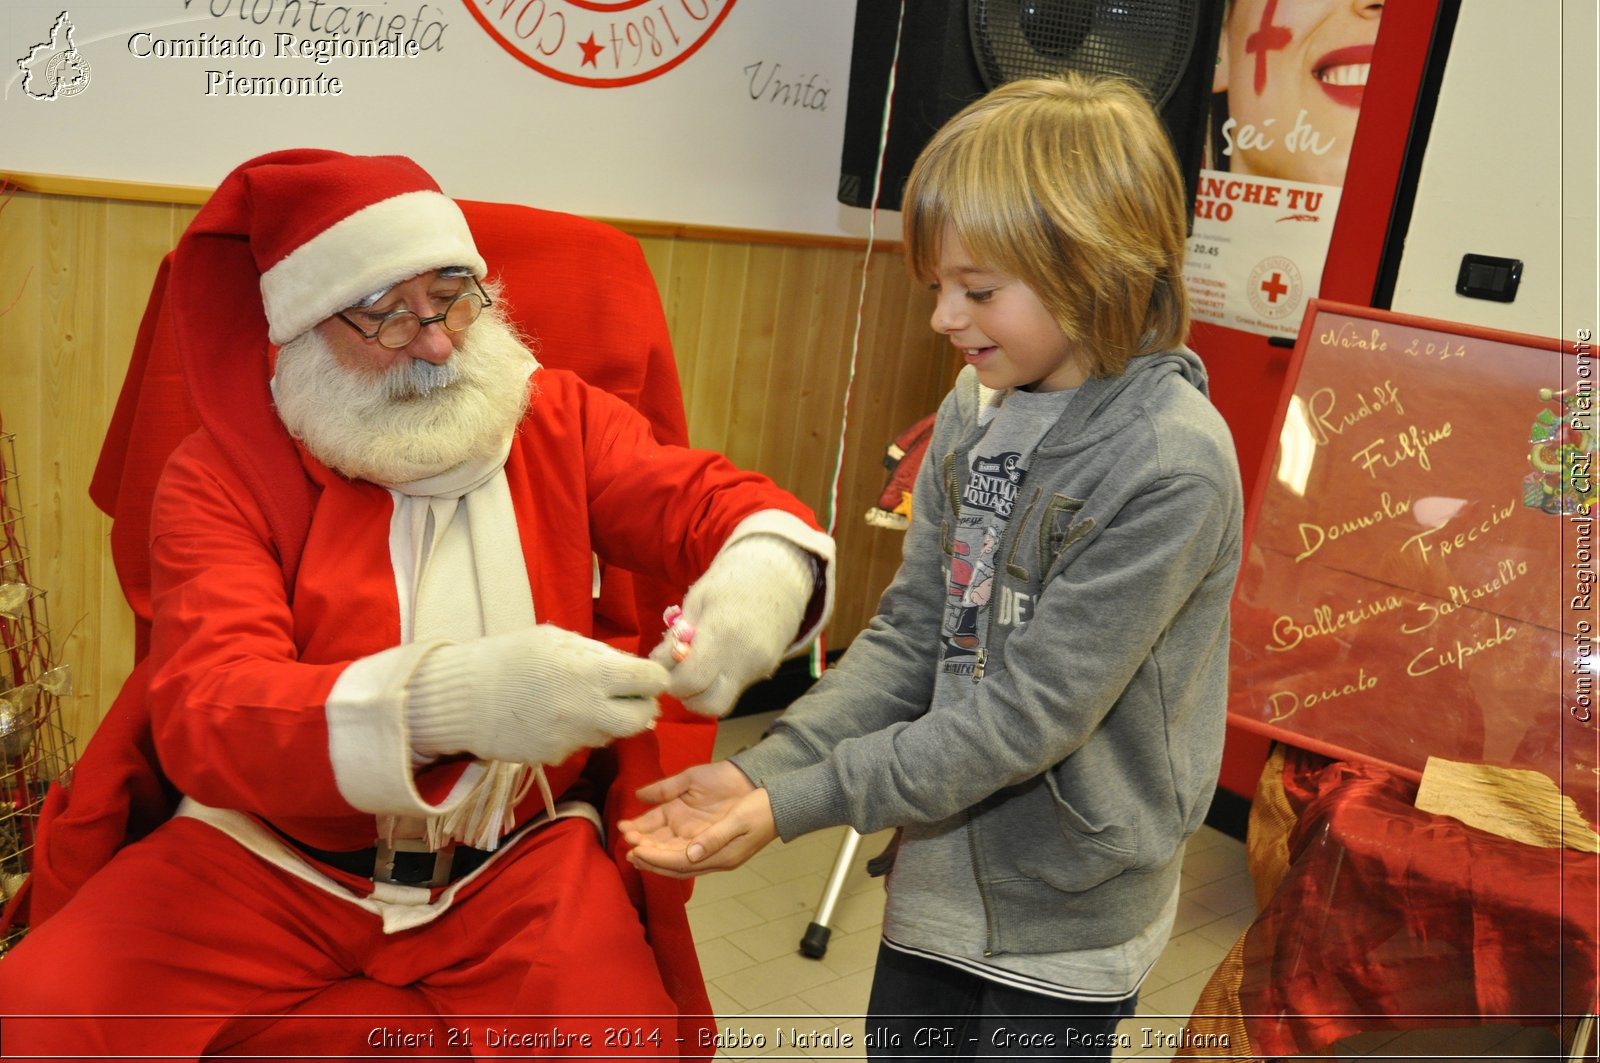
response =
{"points": [[1083, 749]]}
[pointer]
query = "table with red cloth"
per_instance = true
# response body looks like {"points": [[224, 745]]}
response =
{"points": [[1375, 915]]}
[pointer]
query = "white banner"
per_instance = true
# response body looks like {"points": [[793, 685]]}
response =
{"points": [[1257, 252], [707, 112]]}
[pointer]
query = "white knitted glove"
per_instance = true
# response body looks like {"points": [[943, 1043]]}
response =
{"points": [[746, 611], [533, 696]]}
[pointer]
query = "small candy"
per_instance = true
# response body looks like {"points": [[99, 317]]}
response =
{"points": [[679, 630]]}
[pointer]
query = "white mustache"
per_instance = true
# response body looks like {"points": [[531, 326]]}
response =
{"points": [[415, 419]]}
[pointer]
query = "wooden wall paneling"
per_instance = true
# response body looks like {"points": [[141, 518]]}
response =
{"points": [[67, 539], [23, 368], [21, 364], [752, 401], [862, 464], [891, 377], [21, 307], [883, 400], [893, 392], [794, 273], [831, 302], [732, 389], [926, 365], [710, 394], [820, 421], [79, 271], [904, 383]]}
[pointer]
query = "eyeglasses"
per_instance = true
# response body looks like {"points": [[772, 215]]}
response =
{"points": [[401, 327]]}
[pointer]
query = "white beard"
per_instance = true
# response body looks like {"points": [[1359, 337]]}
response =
{"points": [[414, 420]]}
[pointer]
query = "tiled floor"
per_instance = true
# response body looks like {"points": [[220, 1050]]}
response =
{"points": [[749, 923]]}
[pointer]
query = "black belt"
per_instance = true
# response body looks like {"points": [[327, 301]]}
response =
{"points": [[406, 862]]}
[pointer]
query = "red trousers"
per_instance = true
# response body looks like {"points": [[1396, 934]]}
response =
{"points": [[185, 930]]}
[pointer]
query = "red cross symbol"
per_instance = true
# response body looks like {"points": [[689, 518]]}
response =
{"points": [[1275, 287], [1267, 38]]}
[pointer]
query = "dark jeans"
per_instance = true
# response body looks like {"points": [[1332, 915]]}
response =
{"points": [[921, 1009]]}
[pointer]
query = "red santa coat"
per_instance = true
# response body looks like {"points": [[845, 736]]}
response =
{"points": [[241, 669], [240, 676]]}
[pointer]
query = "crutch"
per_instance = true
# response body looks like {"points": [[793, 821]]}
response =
{"points": [[815, 941]]}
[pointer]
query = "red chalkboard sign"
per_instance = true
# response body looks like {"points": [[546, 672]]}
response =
{"points": [[1420, 563]]}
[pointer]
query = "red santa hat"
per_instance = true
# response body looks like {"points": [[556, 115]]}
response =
{"points": [[287, 240], [330, 230]]}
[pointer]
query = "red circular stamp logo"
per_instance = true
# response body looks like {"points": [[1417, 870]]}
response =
{"points": [[600, 43], [1275, 287]]}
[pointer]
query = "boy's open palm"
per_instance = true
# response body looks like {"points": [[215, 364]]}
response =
{"points": [[710, 817]]}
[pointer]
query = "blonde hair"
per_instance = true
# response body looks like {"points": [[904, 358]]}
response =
{"points": [[1070, 185]]}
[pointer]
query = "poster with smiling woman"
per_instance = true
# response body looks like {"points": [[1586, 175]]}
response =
{"points": [[1287, 92]]}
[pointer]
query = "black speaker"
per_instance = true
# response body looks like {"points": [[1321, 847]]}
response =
{"points": [[953, 51]]}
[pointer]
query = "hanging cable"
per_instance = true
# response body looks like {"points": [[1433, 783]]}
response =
{"points": [[831, 514]]}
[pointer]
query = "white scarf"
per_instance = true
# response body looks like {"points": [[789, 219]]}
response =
{"points": [[460, 574]]}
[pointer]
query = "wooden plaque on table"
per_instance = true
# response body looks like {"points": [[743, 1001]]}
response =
{"points": [[1420, 555]]}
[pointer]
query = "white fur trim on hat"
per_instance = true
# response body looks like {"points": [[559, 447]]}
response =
{"points": [[369, 251]]}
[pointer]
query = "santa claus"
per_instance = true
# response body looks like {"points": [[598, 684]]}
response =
{"points": [[372, 679]]}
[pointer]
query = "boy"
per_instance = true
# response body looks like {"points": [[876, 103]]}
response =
{"points": [[1046, 753]]}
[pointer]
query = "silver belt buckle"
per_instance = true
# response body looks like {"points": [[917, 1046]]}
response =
{"points": [[383, 865]]}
